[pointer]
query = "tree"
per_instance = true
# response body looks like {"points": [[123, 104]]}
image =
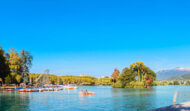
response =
{"points": [[4, 67], [138, 67], [104, 81], [176, 82], [128, 75], [8, 79], [25, 65], [115, 75], [14, 65], [18, 78], [149, 77], [139, 71]]}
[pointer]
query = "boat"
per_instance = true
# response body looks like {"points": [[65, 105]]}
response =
{"points": [[48, 89], [31, 90], [87, 94], [9, 90], [90, 93], [70, 86]]}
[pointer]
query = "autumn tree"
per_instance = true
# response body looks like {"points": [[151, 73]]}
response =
{"points": [[115, 75], [14, 65]]}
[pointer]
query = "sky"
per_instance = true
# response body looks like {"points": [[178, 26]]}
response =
{"points": [[73, 37]]}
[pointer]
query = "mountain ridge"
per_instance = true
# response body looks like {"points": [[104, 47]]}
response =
{"points": [[178, 71]]}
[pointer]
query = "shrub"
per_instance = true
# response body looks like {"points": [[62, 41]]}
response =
{"points": [[136, 84], [118, 84], [8, 80]]}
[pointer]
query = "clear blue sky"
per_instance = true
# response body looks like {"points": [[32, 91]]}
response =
{"points": [[95, 36]]}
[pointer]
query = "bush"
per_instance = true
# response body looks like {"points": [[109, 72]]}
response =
{"points": [[175, 82], [118, 84], [8, 80], [155, 83], [136, 84]]}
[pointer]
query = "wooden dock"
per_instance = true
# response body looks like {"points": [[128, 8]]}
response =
{"points": [[176, 107]]}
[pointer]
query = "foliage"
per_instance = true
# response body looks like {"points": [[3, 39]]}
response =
{"points": [[79, 80], [4, 67], [14, 67], [8, 79], [115, 75], [138, 67], [128, 75], [18, 78], [118, 84], [25, 64], [104, 81], [137, 76], [136, 84], [175, 82]]}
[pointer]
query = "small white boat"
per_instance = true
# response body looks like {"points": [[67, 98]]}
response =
{"points": [[48, 89], [70, 86]]}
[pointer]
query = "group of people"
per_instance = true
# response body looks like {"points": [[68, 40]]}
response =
{"points": [[86, 92], [83, 92]]}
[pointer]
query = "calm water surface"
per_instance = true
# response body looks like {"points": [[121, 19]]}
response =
{"points": [[105, 99]]}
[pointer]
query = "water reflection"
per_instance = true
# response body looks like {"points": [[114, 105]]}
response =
{"points": [[13, 101], [133, 99]]}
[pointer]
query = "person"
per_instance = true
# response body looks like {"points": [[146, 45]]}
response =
{"points": [[86, 92], [81, 92]]}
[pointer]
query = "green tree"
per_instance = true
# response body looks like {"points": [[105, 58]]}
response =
{"points": [[4, 67], [175, 82], [128, 75], [25, 64], [104, 81], [139, 71], [8, 79], [138, 67]]}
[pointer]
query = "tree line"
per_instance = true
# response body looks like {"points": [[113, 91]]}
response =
{"points": [[68, 79], [173, 82], [14, 69], [14, 66]]}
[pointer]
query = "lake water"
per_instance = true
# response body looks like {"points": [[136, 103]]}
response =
{"points": [[105, 99]]}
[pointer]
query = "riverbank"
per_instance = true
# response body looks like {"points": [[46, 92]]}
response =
{"points": [[176, 107]]}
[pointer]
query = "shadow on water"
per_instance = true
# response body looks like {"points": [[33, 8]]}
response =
{"points": [[133, 99], [14, 101]]}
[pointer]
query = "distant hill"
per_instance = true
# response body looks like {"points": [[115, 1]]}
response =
{"points": [[176, 72], [183, 77]]}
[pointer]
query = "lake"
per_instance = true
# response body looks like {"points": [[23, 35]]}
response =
{"points": [[105, 99]]}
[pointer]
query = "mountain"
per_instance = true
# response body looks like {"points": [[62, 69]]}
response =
{"points": [[165, 74], [183, 77]]}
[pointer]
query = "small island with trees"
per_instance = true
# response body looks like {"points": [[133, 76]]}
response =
{"points": [[137, 75]]}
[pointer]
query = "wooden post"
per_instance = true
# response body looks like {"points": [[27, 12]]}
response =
{"points": [[174, 99]]}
